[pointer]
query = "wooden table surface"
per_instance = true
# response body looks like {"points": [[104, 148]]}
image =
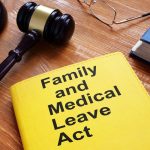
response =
{"points": [[91, 38]]}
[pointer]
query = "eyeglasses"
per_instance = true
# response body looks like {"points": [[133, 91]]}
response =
{"points": [[102, 8]]}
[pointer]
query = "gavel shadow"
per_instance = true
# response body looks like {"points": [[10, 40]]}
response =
{"points": [[45, 49], [40, 55], [50, 49]]}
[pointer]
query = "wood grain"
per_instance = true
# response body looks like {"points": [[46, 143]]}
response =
{"points": [[92, 38]]}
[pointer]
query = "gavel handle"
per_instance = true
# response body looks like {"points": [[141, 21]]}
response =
{"points": [[14, 56]]}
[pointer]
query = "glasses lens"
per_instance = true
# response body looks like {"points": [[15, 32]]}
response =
{"points": [[103, 11], [88, 2]]}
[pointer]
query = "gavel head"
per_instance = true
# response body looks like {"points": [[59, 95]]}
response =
{"points": [[51, 23]]}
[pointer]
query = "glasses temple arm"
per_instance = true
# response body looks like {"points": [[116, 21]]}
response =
{"points": [[131, 18]]}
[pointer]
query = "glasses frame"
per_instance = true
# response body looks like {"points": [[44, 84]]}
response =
{"points": [[93, 2]]}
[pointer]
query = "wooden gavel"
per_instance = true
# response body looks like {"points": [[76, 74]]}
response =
{"points": [[38, 21]]}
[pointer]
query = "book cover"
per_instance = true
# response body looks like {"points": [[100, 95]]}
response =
{"points": [[96, 104]]}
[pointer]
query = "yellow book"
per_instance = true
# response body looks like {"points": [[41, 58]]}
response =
{"points": [[98, 104]]}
